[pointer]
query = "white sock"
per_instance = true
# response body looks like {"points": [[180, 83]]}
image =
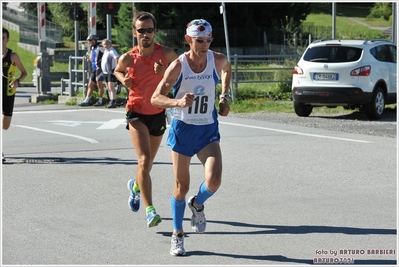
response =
{"points": [[100, 99], [87, 99]]}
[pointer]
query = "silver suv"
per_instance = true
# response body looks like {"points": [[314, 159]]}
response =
{"points": [[348, 73]]}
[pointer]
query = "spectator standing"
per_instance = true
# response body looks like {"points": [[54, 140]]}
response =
{"points": [[96, 76], [108, 65]]}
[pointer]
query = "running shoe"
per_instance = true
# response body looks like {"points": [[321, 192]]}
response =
{"points": [[134, 198], [112, 104], [177, 245], [98, 104], [153, 219], [198, 221], [83, 104]]}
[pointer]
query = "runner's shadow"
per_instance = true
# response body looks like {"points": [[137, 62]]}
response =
{"points": [[74, 160], [284, 229], [275, 258], [77, 160], [279, 258], [296, 230]]}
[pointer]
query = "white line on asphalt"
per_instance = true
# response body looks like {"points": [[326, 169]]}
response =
{"points": [[297, 133], [53, 132], [112, 124], [120, 111], [235, 124], [51, 111]]}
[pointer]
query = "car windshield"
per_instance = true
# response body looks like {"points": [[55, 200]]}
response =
{"points": [[332, 54]]}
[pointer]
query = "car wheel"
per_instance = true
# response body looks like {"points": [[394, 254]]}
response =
{"points": [[375, 109], [302, 110]]}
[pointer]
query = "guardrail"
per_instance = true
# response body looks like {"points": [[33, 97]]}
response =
{"points": [[243, 74], [77, 77], [54, 76]]}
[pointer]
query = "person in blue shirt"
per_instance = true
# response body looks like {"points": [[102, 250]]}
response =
{"points": [[96, 76]]}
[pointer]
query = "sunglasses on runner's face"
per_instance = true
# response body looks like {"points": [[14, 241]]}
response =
{"points": [[202, 41], [148, 30]]}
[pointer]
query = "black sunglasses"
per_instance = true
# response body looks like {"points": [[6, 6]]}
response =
{"points": [[148, 30], [202, 41]]}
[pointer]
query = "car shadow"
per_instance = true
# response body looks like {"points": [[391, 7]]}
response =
{"points": [[390, 114]]}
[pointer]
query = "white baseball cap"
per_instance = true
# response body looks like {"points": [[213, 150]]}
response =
{"points": [[199, 28]]}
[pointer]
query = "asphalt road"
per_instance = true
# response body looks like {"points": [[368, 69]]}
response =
{"points": [[290, 194]]}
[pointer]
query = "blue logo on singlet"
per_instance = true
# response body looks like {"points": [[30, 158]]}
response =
{"points": [[199, 90]]}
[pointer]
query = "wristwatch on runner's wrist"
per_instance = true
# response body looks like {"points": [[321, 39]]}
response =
{"points": [[225, 96]]}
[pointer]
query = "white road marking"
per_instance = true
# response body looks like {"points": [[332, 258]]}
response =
{"points": [[105, 125], [53, 132], [73, 123], [115, 123], [112, 124], [52, 111], [297, 133]]}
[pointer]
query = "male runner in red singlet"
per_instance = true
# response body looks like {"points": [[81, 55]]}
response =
{"points": [[141, 69]]}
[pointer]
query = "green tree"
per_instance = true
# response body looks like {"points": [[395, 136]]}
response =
{"points": [[381, 9], [32, 9], [272, 17], [61, 15], [124, 36], [265, 16], [177, 15]]}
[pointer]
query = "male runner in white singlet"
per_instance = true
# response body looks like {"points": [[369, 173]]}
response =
{"points": [[194, 129]]}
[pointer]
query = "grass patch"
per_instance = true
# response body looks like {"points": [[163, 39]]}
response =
{"points": [[345, 27], [49, 101], [262, 104], [26, 57], [72, 102]]}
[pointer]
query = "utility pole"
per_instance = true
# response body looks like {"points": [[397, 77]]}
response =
{"points": [[222, 10], [394, 21], [134, 14], [334, 20], [93, 22], [43, 64]]}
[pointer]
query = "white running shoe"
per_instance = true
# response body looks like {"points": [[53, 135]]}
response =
{"points": [[177, 245], [198, 220]]}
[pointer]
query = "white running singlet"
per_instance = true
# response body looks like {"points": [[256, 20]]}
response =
{"points": [[203, 85]]}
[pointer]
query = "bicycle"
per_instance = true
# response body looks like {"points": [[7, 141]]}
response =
{"points": [[122, 93]]}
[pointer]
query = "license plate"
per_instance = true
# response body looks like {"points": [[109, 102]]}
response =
{"points": [[325, 76]]}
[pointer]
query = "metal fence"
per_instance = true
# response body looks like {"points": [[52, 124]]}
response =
{"points": [[246, 69], [29, 28]]}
